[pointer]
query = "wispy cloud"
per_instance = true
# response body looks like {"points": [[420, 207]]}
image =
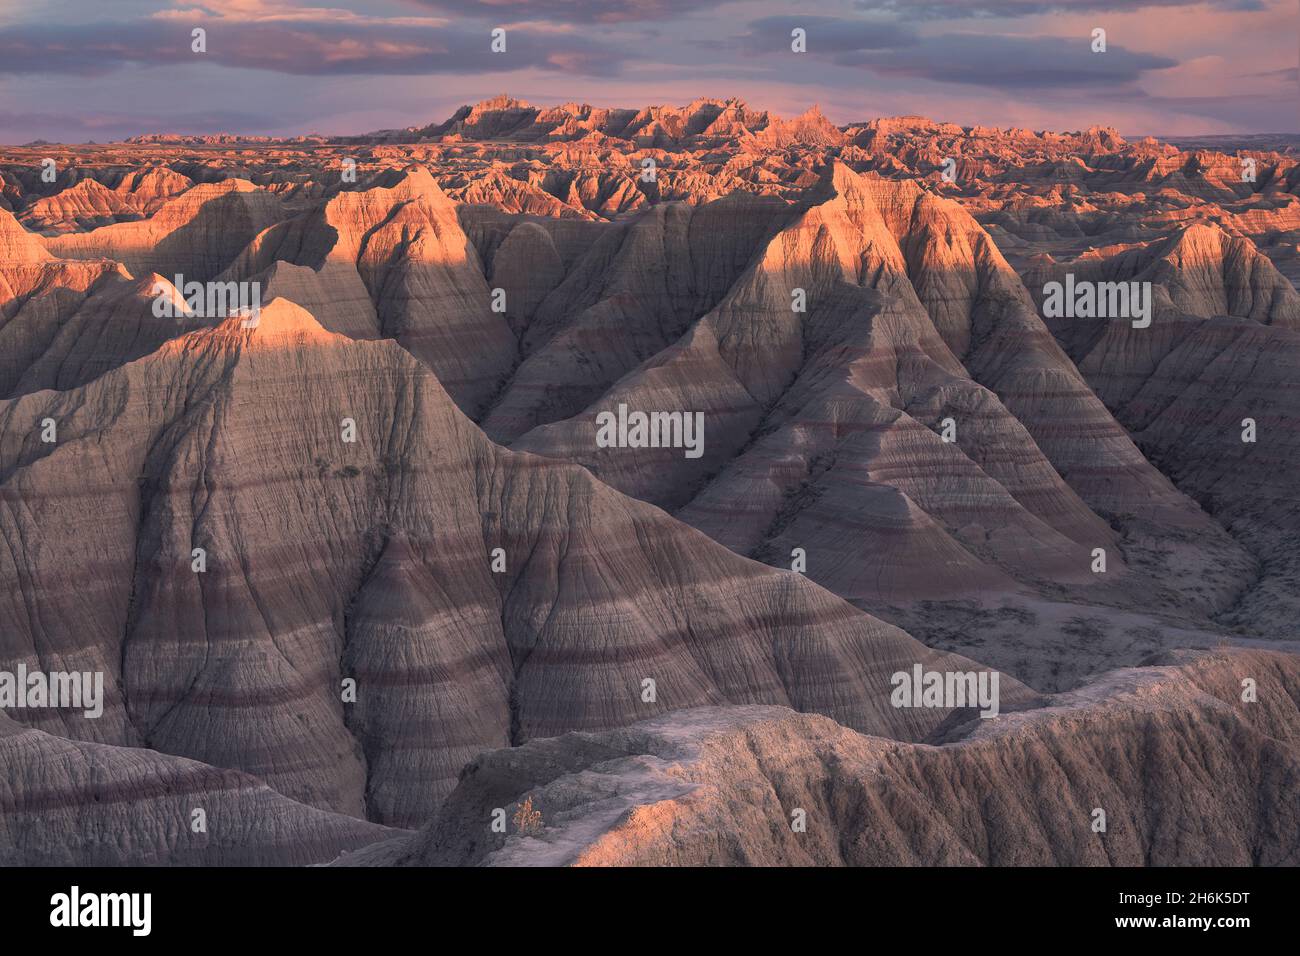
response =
{"points": [[826, 34], [1011, 62], [986, 9], [305, 47], [569, 11]]}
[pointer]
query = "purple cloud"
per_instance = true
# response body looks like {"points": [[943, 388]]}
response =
{"points": [[1011, 62], [299, 47], [984, 9], [825, 34], [568, 11]]}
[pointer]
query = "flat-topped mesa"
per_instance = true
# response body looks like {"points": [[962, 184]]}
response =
{"points": [[701, 123]]}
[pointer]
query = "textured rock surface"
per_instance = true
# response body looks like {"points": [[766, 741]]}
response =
{"points": [[196, 234], [329, 559], [1186, 773], [826, 420], [62, 321], [70, 802], [371, 559], [392, 263], [1221, 353], [86, 205]]}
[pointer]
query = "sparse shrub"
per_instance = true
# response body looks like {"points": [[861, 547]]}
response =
{"points": [[528, 820]]}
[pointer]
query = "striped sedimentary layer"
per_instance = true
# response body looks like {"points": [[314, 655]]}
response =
{"points": [[326, 559], [869, 320], [1208, 391], [76, 803]]}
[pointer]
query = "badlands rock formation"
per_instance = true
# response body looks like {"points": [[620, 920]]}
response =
{"points": [[856, 387], [72, 802], [331, 555], [371, 559], [1185, 772], [391, 263]]}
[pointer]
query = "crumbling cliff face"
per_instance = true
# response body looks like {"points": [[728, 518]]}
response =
{"points": [[1163, 765]]}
